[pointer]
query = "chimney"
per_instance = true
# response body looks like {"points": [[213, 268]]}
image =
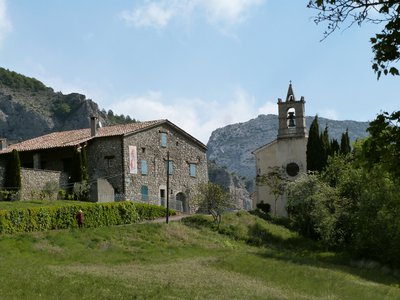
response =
{"points": [[93, 125], [3, 144]]}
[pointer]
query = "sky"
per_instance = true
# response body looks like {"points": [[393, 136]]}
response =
{"points": [[202, 64]]}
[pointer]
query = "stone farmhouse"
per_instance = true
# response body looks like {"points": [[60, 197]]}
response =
{"points": [[125, 162], [287, 152]]}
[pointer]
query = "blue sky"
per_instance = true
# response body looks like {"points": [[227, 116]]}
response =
{"points": [[202, 64]]}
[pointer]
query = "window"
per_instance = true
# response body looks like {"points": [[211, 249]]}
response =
{"points": [[109, 160], [192, 170], [163, 139], [292, 169], [144, 190], [143, 167], [170, 167]]}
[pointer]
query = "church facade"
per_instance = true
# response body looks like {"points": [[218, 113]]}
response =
{"points": [[287, 152]]}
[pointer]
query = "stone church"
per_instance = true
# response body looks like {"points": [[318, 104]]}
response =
{"points": [[288, 151]]}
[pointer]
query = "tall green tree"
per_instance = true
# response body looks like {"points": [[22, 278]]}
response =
{"points": [[314, 147], [385, 45], [79, 175], [383, 144], [13, 173], [325, 147], [335, 147], [345, 147]]}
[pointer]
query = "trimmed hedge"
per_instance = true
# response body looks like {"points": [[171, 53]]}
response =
{"points": [[62, 217]]}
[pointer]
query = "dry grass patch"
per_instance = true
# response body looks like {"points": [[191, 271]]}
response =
{"points": [[45, 246], [197, 277]]}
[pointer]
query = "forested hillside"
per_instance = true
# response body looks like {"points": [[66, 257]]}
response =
{"points": [[28, 108]]}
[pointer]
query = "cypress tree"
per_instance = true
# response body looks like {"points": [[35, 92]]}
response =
{"points": [[335, 147], [314, 147], [13, 172], [79, 175], [84, 172], [325, 148], [76, 172], [345, 147]]}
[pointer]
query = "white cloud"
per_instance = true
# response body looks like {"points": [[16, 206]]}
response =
{"points": [[329, 114], [158, 14], [196, 116], [5, 23], [153, 14], [268, 108], [228, 12]]}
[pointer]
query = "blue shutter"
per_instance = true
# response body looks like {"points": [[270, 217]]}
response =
{"points": [[163, 139], [170, 167], [144, 190], [144, 167], [192, 170]]}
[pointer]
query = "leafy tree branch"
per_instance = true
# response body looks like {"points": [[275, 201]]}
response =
{"points": [[385, 45]]}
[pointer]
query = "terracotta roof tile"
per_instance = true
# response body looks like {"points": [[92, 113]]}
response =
{"points": [[76, 137]]}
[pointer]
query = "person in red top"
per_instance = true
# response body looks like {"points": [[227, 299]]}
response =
{"points": [[80, 218]]}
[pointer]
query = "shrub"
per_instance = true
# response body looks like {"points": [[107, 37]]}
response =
{"points": [[265, 207], [51, 189], [62, 217]]}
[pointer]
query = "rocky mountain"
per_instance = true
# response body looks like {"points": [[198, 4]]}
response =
{"points": [[232, 184], [232, 145], [28, 109]]}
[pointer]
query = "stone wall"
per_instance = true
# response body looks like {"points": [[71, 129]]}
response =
{"points": [[35, 182], [104, 157], [102, 191], [182, 151]]}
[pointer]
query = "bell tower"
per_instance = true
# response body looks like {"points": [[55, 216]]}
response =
{"points": [[292, 120]]}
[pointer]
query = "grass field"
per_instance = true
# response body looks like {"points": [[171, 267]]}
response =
{"points": [[184, 260]]}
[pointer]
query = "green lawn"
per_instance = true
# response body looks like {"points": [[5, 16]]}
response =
{"points": [[178, 261]]}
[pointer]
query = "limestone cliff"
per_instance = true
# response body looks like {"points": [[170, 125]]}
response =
{"points": [[29, 109], [231, 183]]}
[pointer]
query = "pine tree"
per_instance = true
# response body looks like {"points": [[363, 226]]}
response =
{"points": [[345, 147], [314, 147]]}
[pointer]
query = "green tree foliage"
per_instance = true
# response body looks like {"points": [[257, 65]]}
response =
{"points": [[17, 81], [13, 174], [325, 147], [314, 147], [345, 147], [119, 119], [354, 204], [335, 147], [276, 181], [383, 145], [385, 45], [212, 199], [320, 147], [312, 208]]}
